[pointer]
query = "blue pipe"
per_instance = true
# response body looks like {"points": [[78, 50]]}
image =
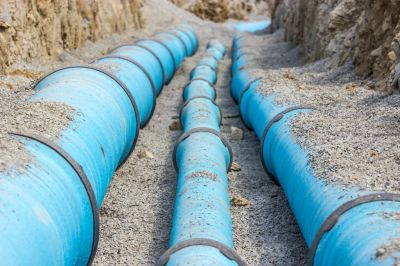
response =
{"points": [[253, 26], [341, 225], [202, 229], [49, 208]]}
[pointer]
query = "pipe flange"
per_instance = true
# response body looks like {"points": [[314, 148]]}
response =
{"points": [[206, 65], [211, 46], [212, 55], [251, 82], [187, 35], [204, 130], [120, 83], [200, 97], [275, 119], [242, 54], [194, 33], [334, 217], [82, 176], [179, 38], [147, 74], [148, 50], [201, 79], [228, 252], [169, 52]]}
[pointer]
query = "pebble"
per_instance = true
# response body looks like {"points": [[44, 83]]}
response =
{"points": [[175, 126], [392, 56], [380, 252], [236, 133], [145, 154], [235, 167], [239, 201]]}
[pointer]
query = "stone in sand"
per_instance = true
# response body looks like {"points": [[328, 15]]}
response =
{"points": [[175, 126], [236, 133], [144, 154], [235, 167], [239, 201]]}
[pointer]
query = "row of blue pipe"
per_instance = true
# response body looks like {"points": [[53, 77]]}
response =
{"points": [[252, 26], [49, 208], [356, 222], [202, 158]]}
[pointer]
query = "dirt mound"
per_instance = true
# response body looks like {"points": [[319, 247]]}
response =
{"points": [[221, 10], [32, 29], [365, 32]]}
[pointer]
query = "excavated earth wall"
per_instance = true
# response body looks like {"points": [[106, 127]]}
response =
{"points": [[221, 10], [365, 32], [40, 28]]}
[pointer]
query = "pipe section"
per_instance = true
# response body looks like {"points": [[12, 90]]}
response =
{"points": [[252, 26], [341, 225], [49, 209], [202, 229]]}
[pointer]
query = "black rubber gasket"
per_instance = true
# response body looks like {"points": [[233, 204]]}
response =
{"points": [[275, 119], [169, 52], [84, 179], [200, 97], [172, 33], [150, 51], [187, 35], [203, 64], [251, 82], [242, 54], [195, 35], [212, 55], [222, 52], [240, 101], [225, 250], [153, 86], [120, 83], [334, 217], [201, 79], [204, 130]]}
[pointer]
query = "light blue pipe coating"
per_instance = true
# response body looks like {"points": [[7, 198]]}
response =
{"points": [[197, 88], [205, 72], [209, 60], [202, 201], [145, 59], [45, 213], [207, 66], [215, 44], [192, 34], [186, 38], [164, 55], [253, 26], [215, 52], [134, 78], [174, 44], [360, 231]]}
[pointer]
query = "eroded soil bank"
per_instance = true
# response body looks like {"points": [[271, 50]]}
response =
{"points": [[364, 32]]}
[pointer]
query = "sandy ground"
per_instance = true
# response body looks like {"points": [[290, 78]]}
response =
{"points": [[136, 213]]}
